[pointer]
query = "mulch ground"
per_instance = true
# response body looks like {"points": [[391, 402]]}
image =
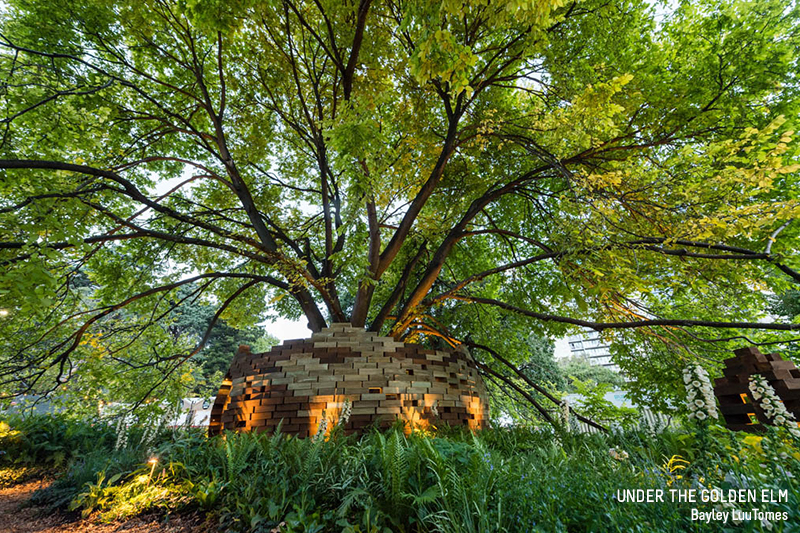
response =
{"points": [[15, 517]]}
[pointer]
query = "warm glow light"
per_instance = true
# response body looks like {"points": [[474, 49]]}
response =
{"points": [[4, 312], [743, 396], [152, 461]]}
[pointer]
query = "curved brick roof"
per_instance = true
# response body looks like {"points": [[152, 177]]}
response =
{"points": [[383, 380]]}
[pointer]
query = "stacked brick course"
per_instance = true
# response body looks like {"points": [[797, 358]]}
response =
{"points": [[301, 381], [736, 402]]}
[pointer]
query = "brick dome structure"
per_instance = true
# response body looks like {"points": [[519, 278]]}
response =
{"points": [[736, 402], [377, 378]]}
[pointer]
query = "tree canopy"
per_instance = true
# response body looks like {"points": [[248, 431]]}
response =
{"points": [[439, 171]]}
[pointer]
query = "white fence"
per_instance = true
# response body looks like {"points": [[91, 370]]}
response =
{"points": [[648, 420]]}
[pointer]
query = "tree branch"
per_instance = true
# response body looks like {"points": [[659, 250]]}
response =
{"points": [[600, 326]]}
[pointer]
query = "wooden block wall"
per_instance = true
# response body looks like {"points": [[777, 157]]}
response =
{"points": [[300, 380], [741, 412]]}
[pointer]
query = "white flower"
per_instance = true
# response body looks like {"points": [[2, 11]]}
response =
{"points": [[700, 398], [772, 405], [619, 455], [322, 428], [345, 414]]}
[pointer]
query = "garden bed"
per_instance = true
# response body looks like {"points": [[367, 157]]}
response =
{"points": [[443, 481], [18, 516]]}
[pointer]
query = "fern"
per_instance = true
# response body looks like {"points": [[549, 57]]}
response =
{"points": [[238, 450]]}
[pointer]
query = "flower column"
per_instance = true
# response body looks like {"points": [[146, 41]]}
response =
{"points": [[699, 394], [771, 405]]}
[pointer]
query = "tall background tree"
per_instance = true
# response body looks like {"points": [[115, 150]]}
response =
{"points": [[436, 171]]}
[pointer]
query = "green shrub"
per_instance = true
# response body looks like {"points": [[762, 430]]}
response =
{"points": [[84, 470], [80, 449], [17, 474], [50, 439], [122, 496]]}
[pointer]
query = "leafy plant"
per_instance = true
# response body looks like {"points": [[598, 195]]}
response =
{"points": [[592, 403], [50, 439]]}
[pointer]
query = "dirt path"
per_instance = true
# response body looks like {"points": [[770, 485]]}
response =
{"points": [[16, 519]]}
